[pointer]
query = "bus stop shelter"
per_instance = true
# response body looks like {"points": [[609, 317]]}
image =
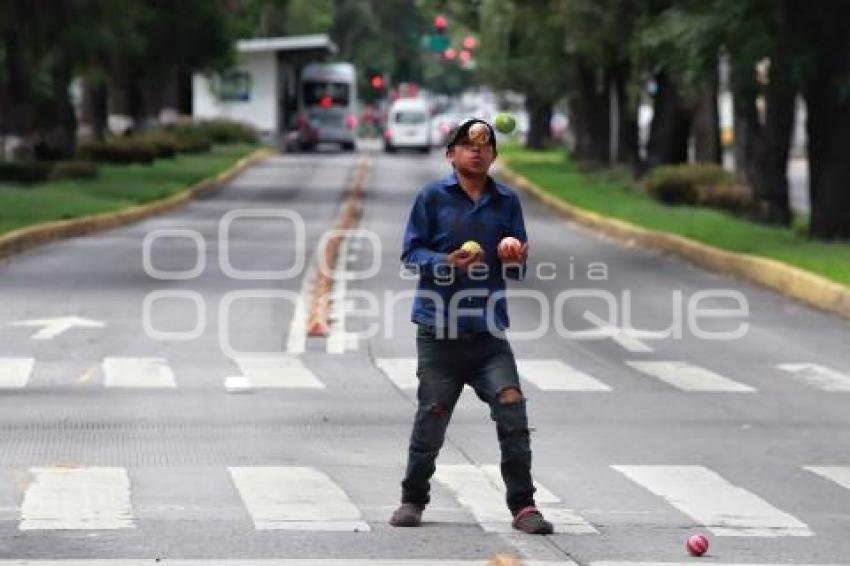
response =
{"points": [[262, 89]]}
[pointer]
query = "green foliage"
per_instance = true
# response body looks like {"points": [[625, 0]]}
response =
{"points": [[118, 150], [608, 194], [191, 140], [164, 144], [227, 131], [74, 169], [680, 184], [523, 46], [381, 36], [25, 173], [698, 184], [116, 187]]}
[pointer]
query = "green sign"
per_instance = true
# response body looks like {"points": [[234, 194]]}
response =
{"points": [[437, 42]]}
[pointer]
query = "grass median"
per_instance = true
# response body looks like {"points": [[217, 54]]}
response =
{"points": [[609, 193], [116, 187]]}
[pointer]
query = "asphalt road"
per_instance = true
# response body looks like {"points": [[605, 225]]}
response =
{"points": [[119, 440]]}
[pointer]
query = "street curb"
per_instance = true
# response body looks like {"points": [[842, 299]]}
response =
{"points": [[802, 286], [23, 239]]}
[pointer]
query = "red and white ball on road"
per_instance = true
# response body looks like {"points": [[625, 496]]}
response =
{"points": [[697, 545], [509, 246]]}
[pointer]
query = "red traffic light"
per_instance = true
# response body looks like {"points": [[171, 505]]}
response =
{"points": [[377, 82], [440, 22], [326, 101]]}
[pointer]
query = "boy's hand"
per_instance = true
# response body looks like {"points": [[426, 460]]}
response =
{"points": [[464, 259], [510, 255]]}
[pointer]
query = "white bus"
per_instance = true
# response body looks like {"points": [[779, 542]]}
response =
{"points": [[327, 102]]}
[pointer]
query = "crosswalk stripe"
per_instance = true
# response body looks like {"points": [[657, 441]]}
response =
{"points": [[15, 372], [689, 377], [837, 474], [77, 498], [287, 372], [555, 375], [273, 562], [481, 491], [401, 371], [137, 373], [818, 376], [717, 504], [295, 498]]}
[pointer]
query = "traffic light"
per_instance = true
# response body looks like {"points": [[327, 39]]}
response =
{"points": [[440, 23], [377, 81]]}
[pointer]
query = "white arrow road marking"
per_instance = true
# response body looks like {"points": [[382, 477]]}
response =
{"points": [[688, 377], [295, 498], [15, 372], [711, 500], [55, 326], [628, 338], [77, 498], [818, 376], [481, 491], [838, 474]]}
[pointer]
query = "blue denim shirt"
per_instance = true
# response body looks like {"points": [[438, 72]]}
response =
{"points": [[443, 217]]}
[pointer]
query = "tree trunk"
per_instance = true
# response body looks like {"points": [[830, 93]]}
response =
{"points": [[828, 128], [763, 146], [671, 125], [828, 118], [747, 136], [627, 114], [539, 118], [56, 121], [590, 116], [100, 109], [706, 127]]}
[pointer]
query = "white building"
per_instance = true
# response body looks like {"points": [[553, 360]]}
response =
{"points": [[262, 88]]}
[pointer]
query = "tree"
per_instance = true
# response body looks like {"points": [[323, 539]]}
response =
{"points": [[600, 65], [174, 39], [523, 50], [44, 45], [826, 88], [380, 35], [678, 44]]}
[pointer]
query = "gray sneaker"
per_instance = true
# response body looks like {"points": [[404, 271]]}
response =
{"points": [[530, 520], [407, 515]]}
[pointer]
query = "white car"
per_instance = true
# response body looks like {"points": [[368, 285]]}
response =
{"points": [[408, 126]]}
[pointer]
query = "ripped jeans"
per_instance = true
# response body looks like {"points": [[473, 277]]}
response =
{"points": [[485, 362]]}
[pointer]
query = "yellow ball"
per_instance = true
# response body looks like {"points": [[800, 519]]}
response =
{"points": [[471, 246]]}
